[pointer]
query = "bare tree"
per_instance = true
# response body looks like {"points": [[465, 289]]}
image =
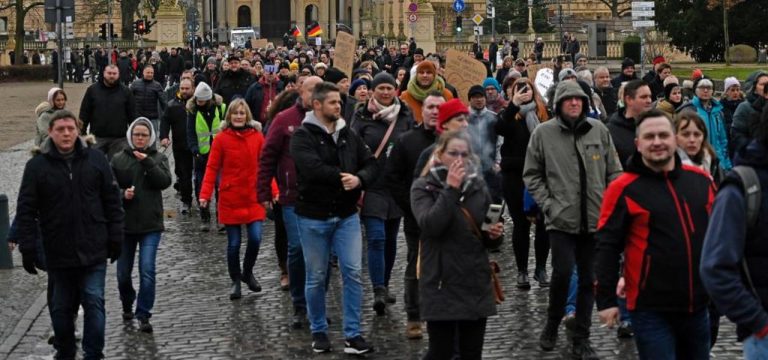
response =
{"points": [[20, 9], [618, 8]]}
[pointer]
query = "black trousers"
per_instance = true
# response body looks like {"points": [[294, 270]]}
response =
{"points": [[281, 238], [183, 168], [412, 234], [444, 336], [567, 250], [521, 233]]}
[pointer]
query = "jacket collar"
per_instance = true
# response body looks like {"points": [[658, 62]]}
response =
{"points": [[580, 127], [620, 119], [48, 148], [636, 165]]}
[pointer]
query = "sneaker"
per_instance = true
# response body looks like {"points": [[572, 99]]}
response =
{"points": [[541, 277], [320, 343], [145, 326], [357, 346], [379, 300], [548, 337], [413, 330], [522, 281], [299, 318], [582, 350], [625, 330]]}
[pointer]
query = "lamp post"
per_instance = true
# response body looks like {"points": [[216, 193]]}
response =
{"points": [[530, 17]]}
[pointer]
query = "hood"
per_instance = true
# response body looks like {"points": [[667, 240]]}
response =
{"points": [[47, 146], [566, 89], [619, 119], [755, 154], [42, 107], [310, 118], [192, 106], [749, 84], [152, 134]]}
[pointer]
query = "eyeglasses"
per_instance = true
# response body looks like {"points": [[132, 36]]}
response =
{"points": [[705, 88], [140, 135], [462, 154]]}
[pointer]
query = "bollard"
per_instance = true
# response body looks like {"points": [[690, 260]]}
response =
{"points": [[6, 261]]}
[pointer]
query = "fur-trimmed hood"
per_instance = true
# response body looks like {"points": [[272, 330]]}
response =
{"points": [[44, 148], [251, 124], [42, 107], [192, 105]]}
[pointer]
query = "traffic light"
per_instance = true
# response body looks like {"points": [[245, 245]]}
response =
{"points": [[103, 31], [458, 23], [147, 26], [136, 27], [140, 27]]}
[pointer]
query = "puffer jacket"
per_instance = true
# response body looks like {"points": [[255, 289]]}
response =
{"points": [[149, 177], [568, 166], [234, 161], [454, 275], [149, 95]]}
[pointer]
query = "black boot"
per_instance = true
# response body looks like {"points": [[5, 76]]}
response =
{"points": [[234, 290], [251, 281], [380, 300], [540, 275], [390, 299], [548, 338]]}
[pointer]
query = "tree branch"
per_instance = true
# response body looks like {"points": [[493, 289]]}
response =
{"points": [[8, 6], [32, 5]]}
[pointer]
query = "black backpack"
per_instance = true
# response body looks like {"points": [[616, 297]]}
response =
{"points": [[750, 185]]}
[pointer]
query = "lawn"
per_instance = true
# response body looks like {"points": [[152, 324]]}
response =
{"points": [[717, 71]]}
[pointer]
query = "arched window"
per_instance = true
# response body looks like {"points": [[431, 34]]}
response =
{"points": [[244, 16]]}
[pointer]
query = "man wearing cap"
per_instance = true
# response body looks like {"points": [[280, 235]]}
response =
{"points": [[483, 139], [581, 61], [205, 112], [569, 162], [425, 81], [711, 111], [627, 73], [234, 82], [348, 103], [494, 101], [418, 57], [211, 73]]}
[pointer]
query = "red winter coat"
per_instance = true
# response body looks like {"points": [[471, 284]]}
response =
{"points": [[235, 158]]}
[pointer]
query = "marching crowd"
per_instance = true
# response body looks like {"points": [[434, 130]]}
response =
{"points": [[646, 192]]}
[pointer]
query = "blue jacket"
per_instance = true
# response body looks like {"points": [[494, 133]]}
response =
{"points": [[727, 242], [714, 119]]}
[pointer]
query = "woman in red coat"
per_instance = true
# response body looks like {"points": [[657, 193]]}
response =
{"points": [[234, 159]]}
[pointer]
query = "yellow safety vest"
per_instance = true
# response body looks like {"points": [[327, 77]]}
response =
{"points": [[204, 134]]}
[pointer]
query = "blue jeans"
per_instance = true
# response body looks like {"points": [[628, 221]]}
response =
{"points": [[72, 288], [755, 349], [570, 307], [382, 246], [296, 270], [251, 251], [671, 335], [317, 239], [147, 244]]}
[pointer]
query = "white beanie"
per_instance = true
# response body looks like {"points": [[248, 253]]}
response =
{"points": [[731, 81], [51, 93], [203, 92]]}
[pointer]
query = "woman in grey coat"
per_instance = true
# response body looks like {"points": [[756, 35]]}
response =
{"points": [[454, 273]]}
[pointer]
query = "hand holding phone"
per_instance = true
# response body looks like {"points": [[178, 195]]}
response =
{"points": [[492, 216]]}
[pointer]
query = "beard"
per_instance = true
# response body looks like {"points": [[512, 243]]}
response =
{"points": [[659, 162], [332, 117], [109, 82]]}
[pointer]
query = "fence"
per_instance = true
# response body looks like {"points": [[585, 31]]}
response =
{"points": [[79, 44]]}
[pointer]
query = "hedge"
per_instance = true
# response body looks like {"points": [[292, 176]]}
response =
{"points": [[26, 73]]}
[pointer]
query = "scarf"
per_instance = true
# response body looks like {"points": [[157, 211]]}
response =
{"points": [[387, 113], [419, 93], [703, 160], [531, 119]]}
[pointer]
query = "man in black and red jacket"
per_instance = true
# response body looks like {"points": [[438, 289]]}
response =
{"points": [[657, 214]]}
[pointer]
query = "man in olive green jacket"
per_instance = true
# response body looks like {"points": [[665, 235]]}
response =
{"points": [[570, 161]]}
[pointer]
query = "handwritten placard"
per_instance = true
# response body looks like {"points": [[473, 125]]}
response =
{"points": [[344, 56], [545, 78], [463, 71], [259, 43]]}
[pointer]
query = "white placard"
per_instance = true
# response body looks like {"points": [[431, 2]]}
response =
{"points": [[545, 78], [644, 13], [318, 41], [642, 5]]}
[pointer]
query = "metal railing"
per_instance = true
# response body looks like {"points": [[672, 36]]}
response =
{"points": [[80, 44]]}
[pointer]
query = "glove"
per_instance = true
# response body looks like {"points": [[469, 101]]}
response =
{"points": [[28, 260], [113, 251]]}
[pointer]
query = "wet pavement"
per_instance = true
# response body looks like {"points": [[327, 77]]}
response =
{"points": [[194, 318]]}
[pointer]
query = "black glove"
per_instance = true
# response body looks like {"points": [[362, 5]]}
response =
{"points": [[113, 251], [28, 260]]}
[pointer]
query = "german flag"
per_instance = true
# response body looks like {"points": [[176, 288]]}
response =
{"points": [[295, 31], [314, 30]]}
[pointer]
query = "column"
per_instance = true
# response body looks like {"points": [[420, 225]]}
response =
{"points": [[332, 20], [323, 19], [391, 24], [301, 22], [356, 17], [206, 14], [256, 14], [221, 18], [342, 18]]}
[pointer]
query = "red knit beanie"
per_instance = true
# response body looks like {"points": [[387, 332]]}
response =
{"points": [[448, 110]]}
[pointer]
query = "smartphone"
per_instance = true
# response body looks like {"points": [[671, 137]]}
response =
{"points": [[492, 216], [523, 88]]}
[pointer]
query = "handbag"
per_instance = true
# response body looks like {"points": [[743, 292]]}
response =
{"points": [[376, 155], [498, 291]]}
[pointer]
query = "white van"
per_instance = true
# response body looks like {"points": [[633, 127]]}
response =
{"points": [[239, 36]]}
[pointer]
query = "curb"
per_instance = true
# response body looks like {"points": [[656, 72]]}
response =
{"points": [[23, 326]]}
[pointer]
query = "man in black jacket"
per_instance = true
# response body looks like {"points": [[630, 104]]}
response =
{"points": [[175, 66], [655, 213], [234, 82], [108, 107], [69, 192], [174, 123], [637, 99], [399, 177], [149, 97], [333, 165]]}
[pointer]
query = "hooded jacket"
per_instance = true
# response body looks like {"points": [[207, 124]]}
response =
{"points": [[623, 134], [320, 158], [658, 220], [108, 110], [233, 161], [149, 177], [747, 114], [208, 114], [727, 242], [454, 276], [568, 166], [76, 203], [43, 111]]}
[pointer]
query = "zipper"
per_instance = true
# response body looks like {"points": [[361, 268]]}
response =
{"points": [[440, 270], [690, 218], [687, 240], [287, 184], [646, 270]]}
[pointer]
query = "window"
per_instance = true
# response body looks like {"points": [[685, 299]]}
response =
{"points": [[4, 25]]}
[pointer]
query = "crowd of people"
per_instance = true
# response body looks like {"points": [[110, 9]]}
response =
{"points": [[627, 182]]}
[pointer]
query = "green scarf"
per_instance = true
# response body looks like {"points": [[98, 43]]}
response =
{"points": [[419, 93]]}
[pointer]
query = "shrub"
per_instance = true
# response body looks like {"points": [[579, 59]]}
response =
{"points": [[743, 54], [631, 48], [26, 73]]}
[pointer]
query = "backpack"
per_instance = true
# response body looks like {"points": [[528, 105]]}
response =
{"points": [[750, 185]]}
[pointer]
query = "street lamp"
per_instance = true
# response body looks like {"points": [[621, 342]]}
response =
{"points": [[530, 17]]}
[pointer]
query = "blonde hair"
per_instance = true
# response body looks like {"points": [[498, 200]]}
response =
{"points": [[234, 105], [442, 143]]}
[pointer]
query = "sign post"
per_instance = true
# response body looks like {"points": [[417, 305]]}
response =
{"points": [[642, 14]]}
